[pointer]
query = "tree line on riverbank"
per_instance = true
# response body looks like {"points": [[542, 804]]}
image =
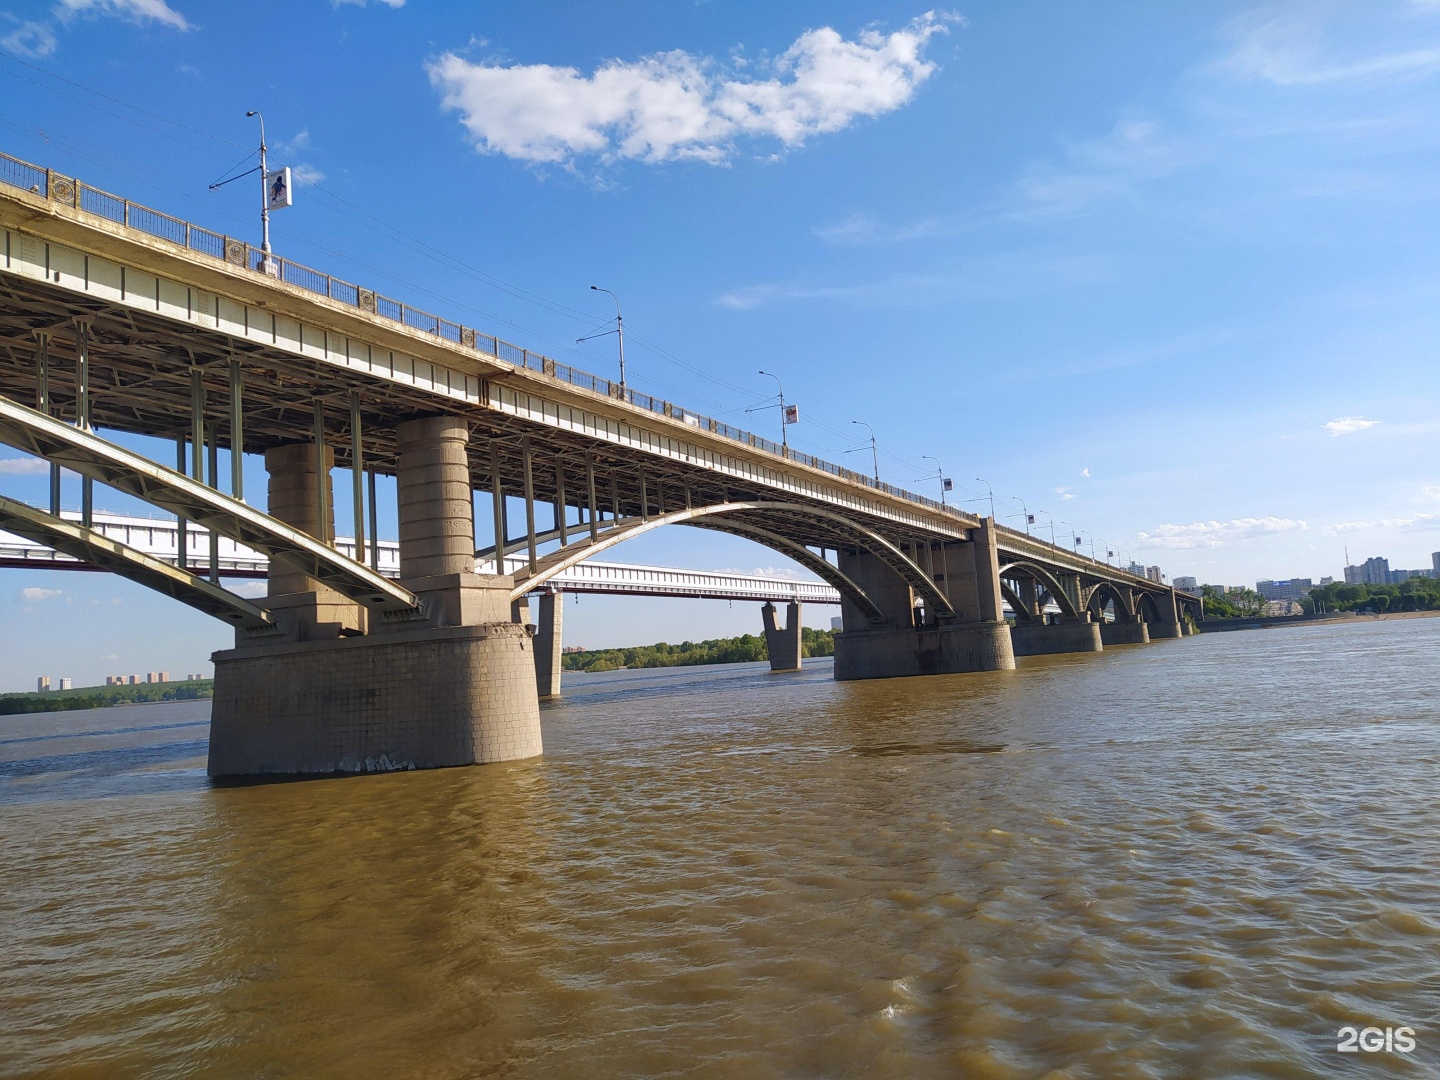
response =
{"points": [[735, 650], [1231, 603], [100, 697], [1417, 594]]}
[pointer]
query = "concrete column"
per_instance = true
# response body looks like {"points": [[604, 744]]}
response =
{"points": [[548, 644], [1037, 638], [1168, 625], [1125, 630], [1029, 598], [292, 499], [437, 526], [785, 644], [987, 571]]}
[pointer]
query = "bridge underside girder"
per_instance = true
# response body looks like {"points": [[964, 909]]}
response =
{"points": [[73, 539]]}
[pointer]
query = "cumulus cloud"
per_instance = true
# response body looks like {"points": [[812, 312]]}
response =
{"points": [[1064, 493], [673, 106], [251, 590], [35, 595], [1209, 534], [25, 466], [33, 39], [1085, 473], [136, 10], [1346, 425]]}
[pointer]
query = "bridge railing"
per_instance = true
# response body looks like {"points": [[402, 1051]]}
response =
{"points": [[72, 192]]}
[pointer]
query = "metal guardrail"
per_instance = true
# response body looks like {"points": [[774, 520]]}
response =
{"points": [[74, 193]]}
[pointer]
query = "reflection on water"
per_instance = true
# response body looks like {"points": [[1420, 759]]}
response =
{"points": [[1196, 858]]}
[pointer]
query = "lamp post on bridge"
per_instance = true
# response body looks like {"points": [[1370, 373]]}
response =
{"points": [[619, 333], [264, 190], [874, 454], [784, 413], [1051, 519], [945, 484], [1074, 540], [991, 493], [1025, 511]]}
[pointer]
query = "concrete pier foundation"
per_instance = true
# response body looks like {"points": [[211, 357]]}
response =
{"points": [[922, 641], [1124, 631], [784, 644], [456, 687], [548, 644], [939, 650], [1036, 638]]}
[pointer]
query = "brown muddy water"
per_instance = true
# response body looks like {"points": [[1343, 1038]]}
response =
{"points": [[1199, 858]]}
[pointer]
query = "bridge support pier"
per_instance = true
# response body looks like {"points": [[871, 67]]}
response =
{"points": [[784, 644], [454, 686], [1168, 624], [548, 641], [1125, 630], [976, 639], [1036, 638]]}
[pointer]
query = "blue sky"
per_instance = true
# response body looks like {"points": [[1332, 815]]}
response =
{"points": [[1168, 272]]}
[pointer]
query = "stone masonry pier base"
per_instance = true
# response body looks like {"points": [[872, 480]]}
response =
{"points": [[1124, 632], [930, 650], [459, 695], [1067, 635]]}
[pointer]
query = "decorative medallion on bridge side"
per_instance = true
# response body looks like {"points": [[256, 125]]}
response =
{"points": [[549, 366], [235, 251], [467, 337], [62, 189], [367, 301]]}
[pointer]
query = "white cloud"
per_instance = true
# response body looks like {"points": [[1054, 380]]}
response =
{"points": [[1064, 493], [34, 595], [674, 106], [26, 466], [307, 173], [1418, 523], [1289, 50], [860, 229], [136, 10], [33, 39], [1211, 534], [1346, 425], [1085, 473], [251, 590]]}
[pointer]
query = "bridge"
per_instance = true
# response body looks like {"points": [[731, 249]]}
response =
{"points": [[115, 317]]}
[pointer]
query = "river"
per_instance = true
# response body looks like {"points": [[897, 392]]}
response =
{"points": [[1198, 858]]}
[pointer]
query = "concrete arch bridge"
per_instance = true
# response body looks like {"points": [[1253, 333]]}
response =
{"points": [[117, 318]]}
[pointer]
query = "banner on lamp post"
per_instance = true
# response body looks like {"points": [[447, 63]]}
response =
{"points": [[278, 190]]}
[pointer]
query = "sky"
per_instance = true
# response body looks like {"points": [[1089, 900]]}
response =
{"points": [[1166, 274]]}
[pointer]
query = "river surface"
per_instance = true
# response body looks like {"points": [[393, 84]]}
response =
{"points": [[1198, 858]]}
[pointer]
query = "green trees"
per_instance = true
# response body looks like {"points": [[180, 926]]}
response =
{"points": [[99, 697], [736, 650], [1236, 604], [1417, 594]]}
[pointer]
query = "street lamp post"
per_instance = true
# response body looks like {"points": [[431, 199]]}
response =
{"points": [[1074, 540], [784, 427], [991, 493], [939, 474], [264, 190], [874, 454], [619, 332], [1049, 517], [1024, 510]]}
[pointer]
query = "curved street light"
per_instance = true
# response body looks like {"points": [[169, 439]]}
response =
{"points": [[1051, 519], [784, 427], [991, 493], [619, 332], [939, 474], [874, 454]]}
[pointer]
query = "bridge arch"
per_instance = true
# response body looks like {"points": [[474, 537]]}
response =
{"points": [[1046, 578], [1124, 599], [755, 521]]}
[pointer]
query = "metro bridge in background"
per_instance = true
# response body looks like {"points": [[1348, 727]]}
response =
{"points": [[115, 317]]}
